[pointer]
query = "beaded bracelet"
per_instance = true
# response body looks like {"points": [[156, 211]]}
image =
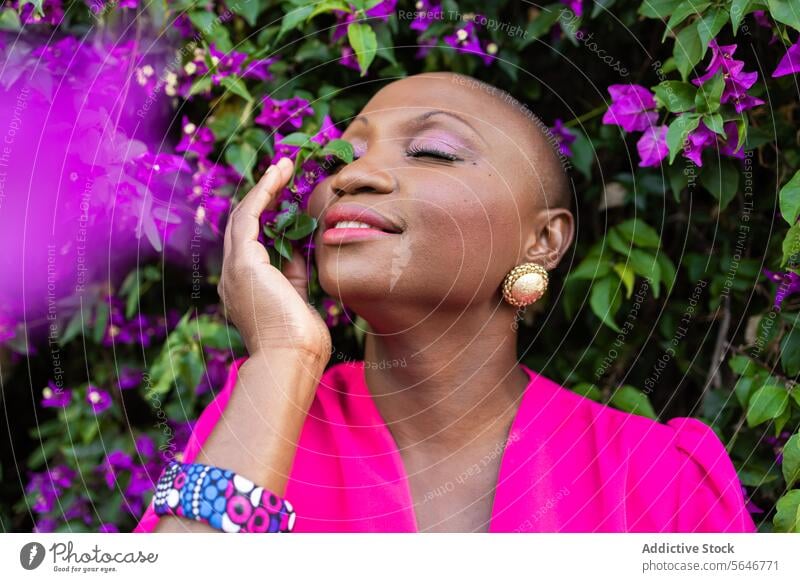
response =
{"points": [[221, 498]]}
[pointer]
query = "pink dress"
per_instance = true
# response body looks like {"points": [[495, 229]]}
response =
{"points": [[569, 465]]}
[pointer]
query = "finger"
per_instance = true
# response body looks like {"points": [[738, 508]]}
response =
{"points": [[246, 217], [295, 272]]}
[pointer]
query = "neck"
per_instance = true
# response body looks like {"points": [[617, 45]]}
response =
{"points": [[448, 377]]}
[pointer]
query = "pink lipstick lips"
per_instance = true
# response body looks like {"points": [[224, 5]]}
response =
{"points": [[346, 223]]}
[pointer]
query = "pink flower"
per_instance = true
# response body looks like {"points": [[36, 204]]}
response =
{"points": [[283, 115], [788, 284], [53, 396], [564, 136], [100, 400], [195, 139], [737, 82], [465, 40], [790, 63], [652, 146], [630, 107]]}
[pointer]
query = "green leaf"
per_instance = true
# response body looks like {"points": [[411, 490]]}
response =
{"points": [[543, 22], [791, 244], [201, 85], [709, 94], [247, 9], [633, 400], [587, 390], [740, 365], [677, 132], [721, 178], [605, 300], [676, 96], [639, 233], [787, 518], [9, 20], [243, 158], [627, 277], [329, 6], [667, 269], [364, 42], [688, 50], [283, 246], [101, 320], [339, 148], [681, 13], [237, 86], [37, 6], [594, 266], [646, 265], [293, 19], [766, 403], [297, 139], [715, 123], [790, 198], [739, 9], [791, 461], [303, 226], [790, 352], [743, 390], [785, 11], [658, 8], [709, 26]]}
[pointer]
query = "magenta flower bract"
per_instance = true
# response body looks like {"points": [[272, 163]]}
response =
{"points": [[427, 12], [283, 115], [98, 399], [565, 137], [54, 396], [465, 40], [631, 107], [737, 81], [199, 140], [652, 146], [788, 284], [790, 63]]}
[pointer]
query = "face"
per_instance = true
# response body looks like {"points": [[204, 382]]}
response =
{"points": [[448, 178]]}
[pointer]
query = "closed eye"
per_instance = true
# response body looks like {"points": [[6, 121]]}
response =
{"points": [[433, 153]]}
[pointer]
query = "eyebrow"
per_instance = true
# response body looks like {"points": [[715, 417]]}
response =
{"points": [[421, 119]]}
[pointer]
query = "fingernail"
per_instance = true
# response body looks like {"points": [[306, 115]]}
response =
{"points": [[270, 169]]}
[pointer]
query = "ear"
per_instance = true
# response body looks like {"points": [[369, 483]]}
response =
{"points": [[551, 234]]}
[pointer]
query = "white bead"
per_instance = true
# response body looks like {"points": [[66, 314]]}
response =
{"points": [[228, 525], [173, 498], [242, 484], [255, 496]]}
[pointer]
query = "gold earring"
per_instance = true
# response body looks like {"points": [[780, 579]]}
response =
{"points": [[525, 284]]}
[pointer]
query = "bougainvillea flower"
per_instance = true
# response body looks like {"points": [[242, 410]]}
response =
{"points": [[788, 284], [427, 12], [195, 139], [631, 107], [652, 146], [381, 11], [115, 462], [327, 132], [55, 397], [465, 40], [565, 137], [100, 400], [107, 528], [7, 328], [737, 81], [48, 486], [212, 212], [575, 5], [52, 9], [790, 63], [283, 115], [217, 362], [129, 378]]}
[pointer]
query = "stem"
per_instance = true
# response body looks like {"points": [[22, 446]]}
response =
{"points": [[586, 116]]}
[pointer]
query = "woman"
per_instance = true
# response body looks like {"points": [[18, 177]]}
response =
{"points": [[439, 428]]}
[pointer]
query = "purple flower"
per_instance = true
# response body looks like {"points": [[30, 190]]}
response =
{"points": [[233, 63], [576, 6], [702, 137], [44, 525], [465, 40], [145, 446], [737, 82], [349, 59], [283, 115], [48, 486], [129, 378], [195, 139], [52, 9], [328, 132], [7, 328], [790, 63], [53, 396], [79, 510], [183, 25], [630, 107], [381, 11], [749, 505], [334, 312], [217, 362], [100, 400], [115, 462], [212, 212], [565, 137], [652, 146], [108, 528], [788, 284], [427, 12]]}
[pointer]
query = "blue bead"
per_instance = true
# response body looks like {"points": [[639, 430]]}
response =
{"points": [[210, 492], [215, 473], [222, 484], [215, 521], [205, 509], [219, 504]]}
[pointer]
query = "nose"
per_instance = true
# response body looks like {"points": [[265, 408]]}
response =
{"points": [[364, 175]]}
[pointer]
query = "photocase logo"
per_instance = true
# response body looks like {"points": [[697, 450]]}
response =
{"points": [[31, 555]]}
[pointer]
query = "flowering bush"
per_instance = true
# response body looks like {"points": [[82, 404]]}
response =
{"points": [[138, 125]]}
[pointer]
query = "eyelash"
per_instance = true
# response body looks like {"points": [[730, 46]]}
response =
{"points": [[414, 152]]}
